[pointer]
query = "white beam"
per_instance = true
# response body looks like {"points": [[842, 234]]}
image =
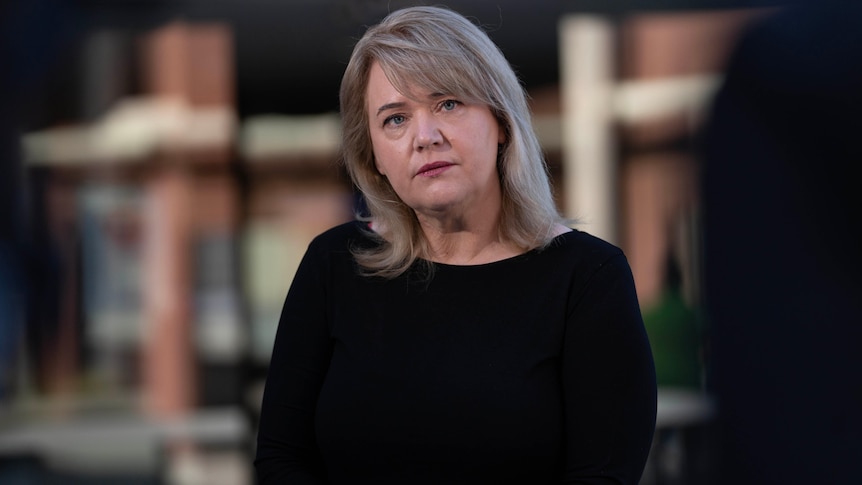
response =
{"points": [[587, 77]]}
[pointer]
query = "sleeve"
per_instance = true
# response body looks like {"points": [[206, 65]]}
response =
{"points": [[609, 384], [287, 450]]}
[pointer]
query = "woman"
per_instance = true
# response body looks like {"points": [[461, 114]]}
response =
{"points": [[461, 333]]}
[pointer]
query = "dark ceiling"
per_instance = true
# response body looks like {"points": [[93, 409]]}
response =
{"points": [[290, 53]]}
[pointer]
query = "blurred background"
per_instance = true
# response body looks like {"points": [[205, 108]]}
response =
{"points": [[163, 164]]}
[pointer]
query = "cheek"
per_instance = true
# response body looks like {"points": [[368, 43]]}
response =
{"points": [[378, 166], [380, 162], [387, 157], [380, 153], [376, 156]]}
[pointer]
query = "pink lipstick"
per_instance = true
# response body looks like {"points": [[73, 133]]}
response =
{"points": [[433, 168]]}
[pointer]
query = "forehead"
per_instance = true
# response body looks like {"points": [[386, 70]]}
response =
{"points": [[380, 86], [378, 83]]}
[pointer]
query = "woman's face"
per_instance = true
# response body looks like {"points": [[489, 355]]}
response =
{"points": [[438, 152]]}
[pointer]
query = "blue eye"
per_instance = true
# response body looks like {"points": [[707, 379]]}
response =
{"points": [[449, 104], [394, 120]]}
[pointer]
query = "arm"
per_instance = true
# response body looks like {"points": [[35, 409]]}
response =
{"points": [[608, 380], [286, 446]]}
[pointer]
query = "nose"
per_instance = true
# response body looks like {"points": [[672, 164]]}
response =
{"points": [[428, 132]]}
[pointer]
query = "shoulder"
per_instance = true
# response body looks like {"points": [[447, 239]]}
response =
{"points": [[343, 237], [583, 248], [332, 250], [597, 272], [585, 260]]}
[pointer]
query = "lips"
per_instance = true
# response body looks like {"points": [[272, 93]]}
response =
{"points": [[433, 168]]}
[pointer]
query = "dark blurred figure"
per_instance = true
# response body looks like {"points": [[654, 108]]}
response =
{"points": [[11, 294], [783, 249], [34, 37]]}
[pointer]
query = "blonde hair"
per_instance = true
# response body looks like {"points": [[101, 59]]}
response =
{"points": [[439, 50]]}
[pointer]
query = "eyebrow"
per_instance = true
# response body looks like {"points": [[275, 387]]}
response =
{"points": [[389, 106], [401, 104]]}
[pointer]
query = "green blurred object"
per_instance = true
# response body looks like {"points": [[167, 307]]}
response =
{"points": [[675, 336]]}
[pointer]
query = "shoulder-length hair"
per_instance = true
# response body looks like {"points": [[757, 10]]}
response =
{"points": [[439, 50]]}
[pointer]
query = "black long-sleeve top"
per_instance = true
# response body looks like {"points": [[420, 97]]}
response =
{"points": [[530, 370]]}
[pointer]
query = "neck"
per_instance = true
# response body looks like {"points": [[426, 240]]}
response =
{"points": [[458, 241]]}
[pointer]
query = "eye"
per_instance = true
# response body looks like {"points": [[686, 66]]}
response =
{"points": [[394, 120], [449, 104]]}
